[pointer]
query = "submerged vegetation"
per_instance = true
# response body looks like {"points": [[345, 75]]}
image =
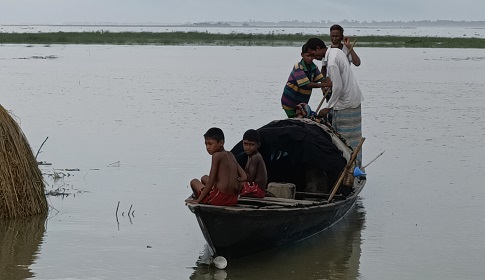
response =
{"points": [[233, 39]]}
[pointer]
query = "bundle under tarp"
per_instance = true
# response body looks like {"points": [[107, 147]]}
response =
{"points": [[292, 147], [22, 190]]}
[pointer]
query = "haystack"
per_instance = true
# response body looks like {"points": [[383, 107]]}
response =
{"points": [[22, 190]]}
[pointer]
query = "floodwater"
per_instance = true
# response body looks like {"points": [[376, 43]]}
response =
{"points": [[125, 125]]}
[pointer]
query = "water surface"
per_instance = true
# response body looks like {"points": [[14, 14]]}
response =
{"points": [[131, 119]]}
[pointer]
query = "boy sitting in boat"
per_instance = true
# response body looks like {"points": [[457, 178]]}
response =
{"points": [[255, 168], [304, 76], [222, 185]]}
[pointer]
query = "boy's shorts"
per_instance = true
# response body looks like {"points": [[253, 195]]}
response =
{"points": [[215, 197], [251, 189], [290, 113]]}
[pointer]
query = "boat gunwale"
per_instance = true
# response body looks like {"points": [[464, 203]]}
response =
{"points": [[241, 208]]}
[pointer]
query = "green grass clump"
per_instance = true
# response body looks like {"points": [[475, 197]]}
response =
{"points": [[232, 39]]}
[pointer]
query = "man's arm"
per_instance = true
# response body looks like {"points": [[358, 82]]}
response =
{"points": [[337, 85], [324, 70], [323, 84], [355, 58]]}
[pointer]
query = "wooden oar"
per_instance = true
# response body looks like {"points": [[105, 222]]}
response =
{"points": [[346, 169], [323, 99]]}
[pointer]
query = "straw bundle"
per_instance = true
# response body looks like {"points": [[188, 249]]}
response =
{"points": [[22, 190]]}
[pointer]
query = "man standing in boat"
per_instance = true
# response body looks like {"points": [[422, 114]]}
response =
{"points": [[338, 40], [343, 42], [346, 99]]}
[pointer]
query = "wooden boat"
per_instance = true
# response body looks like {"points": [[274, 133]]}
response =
{"points": [[302, 152]]}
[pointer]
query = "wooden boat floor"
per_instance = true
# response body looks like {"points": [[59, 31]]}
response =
{"points": [[275, 201]]}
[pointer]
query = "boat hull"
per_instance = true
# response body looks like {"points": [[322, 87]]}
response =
{"points": [[235, 232]]}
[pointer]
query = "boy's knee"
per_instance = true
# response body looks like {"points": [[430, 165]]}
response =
{"points": [[204, 179], [193, 182]]}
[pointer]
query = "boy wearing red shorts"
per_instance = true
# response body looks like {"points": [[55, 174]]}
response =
{"points": [[255, 168], [222, 185]]}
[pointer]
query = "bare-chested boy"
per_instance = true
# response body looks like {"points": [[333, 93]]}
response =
{"points": [[222, 185], [255, 166]]}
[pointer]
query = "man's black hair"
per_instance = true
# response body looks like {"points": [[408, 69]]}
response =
{"points": [[337, 27], [313, 43], [252, 135], [214, 133]]}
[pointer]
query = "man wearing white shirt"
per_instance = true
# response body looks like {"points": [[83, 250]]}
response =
{"points": [[343, 42], [338, 40], [346, 99]]}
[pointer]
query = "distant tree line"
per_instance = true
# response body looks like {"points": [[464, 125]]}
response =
{"points": [[346, 23]]}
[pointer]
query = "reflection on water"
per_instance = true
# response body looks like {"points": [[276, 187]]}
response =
{"points": [[332, 254], [20, 241]]}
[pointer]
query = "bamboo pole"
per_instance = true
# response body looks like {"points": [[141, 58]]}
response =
{"points": [[352, 46], [323, 99], [346, 169]]}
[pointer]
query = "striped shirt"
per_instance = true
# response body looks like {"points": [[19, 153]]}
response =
{"points": [[296, 89]]}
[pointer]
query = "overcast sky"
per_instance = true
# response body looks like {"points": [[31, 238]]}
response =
{"points": [[180, 11]]}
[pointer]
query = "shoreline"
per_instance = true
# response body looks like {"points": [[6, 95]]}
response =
{"points": [[233, 39]]}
